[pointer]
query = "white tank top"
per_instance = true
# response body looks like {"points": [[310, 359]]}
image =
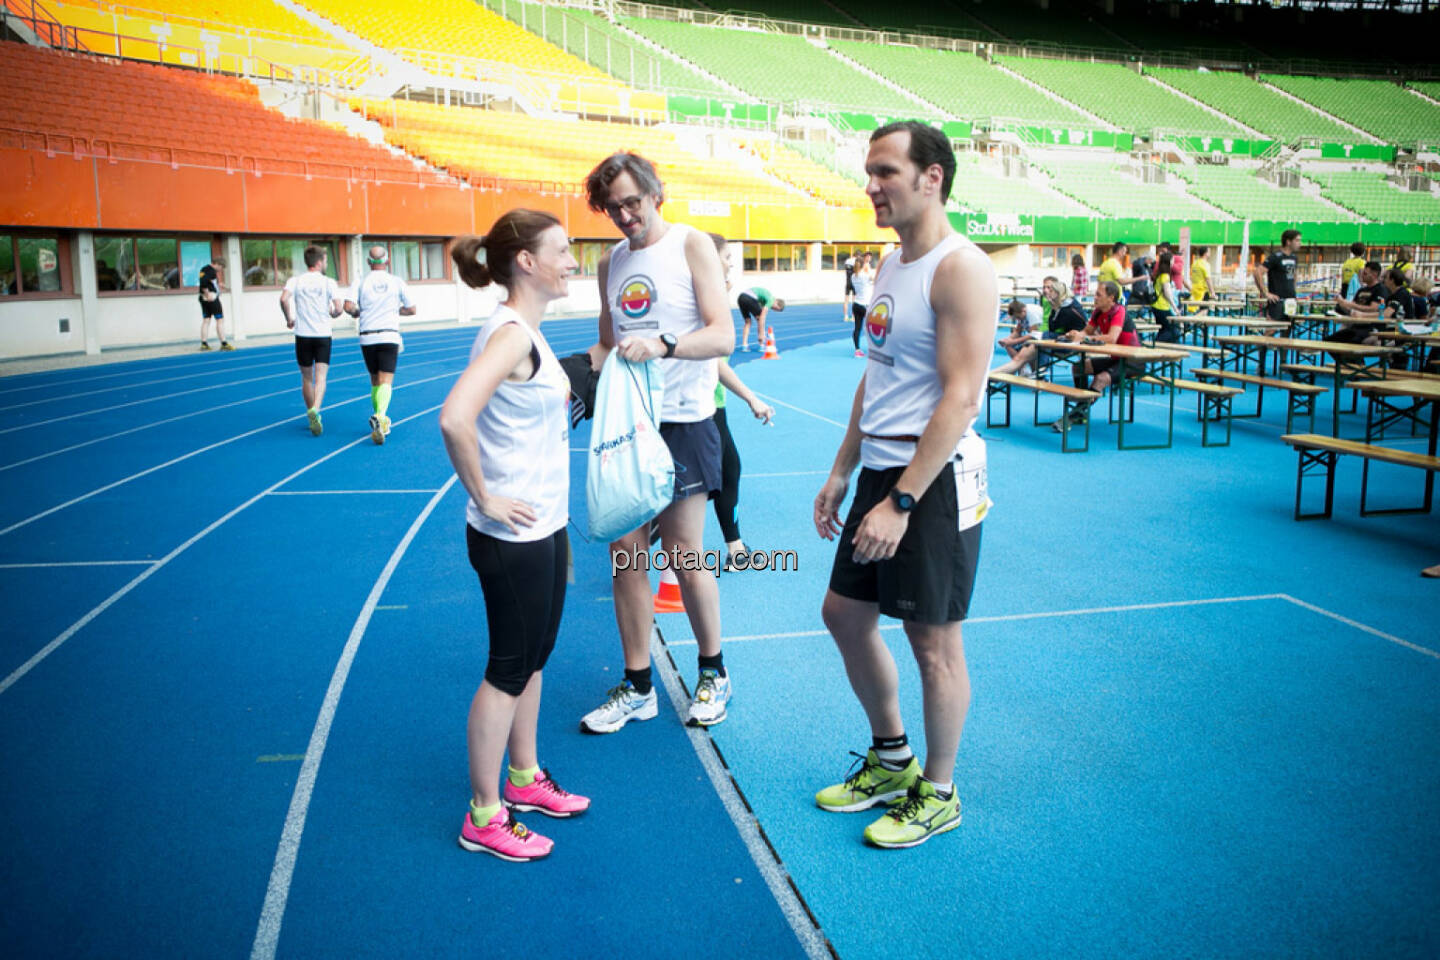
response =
{"points": [[650, 292], [902, 385], [525, 439]]}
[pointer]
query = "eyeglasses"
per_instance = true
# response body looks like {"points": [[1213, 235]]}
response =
{"points": [[630, 205]]}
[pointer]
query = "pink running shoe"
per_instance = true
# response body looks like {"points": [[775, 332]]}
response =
{"points": [[505, 837], [545, 796]]}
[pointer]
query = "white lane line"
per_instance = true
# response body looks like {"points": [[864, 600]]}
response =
{"points": [[195, 413], [194, 453], [267, 934], [776, 877], [109, 601], [1362, 627], [1006, 618], [78, 563], [1088, 611], [136, 384], [808, 413], [185, 393], [143, 426], [332, 493]]}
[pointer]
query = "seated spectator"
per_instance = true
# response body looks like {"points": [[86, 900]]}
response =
{"points": [[1399, 301], [1108, 324], [1420, 290], [1025, 326], [1366, 303], [1063, 315]]}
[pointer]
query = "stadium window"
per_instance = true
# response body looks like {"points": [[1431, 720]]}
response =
{"points": [[1054, 258], [751, 259], [142, 264], [33, 266], [827, 257], [270, 262], [413, 260]]}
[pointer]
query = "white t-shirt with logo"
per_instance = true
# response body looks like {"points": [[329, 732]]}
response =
{"points": [[380, 296], [312, 294]]}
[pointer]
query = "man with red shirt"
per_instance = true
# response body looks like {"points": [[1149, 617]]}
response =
{"points": [[1108, 324]]}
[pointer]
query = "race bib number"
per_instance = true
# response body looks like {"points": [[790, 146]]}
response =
{"points": [[972, 487], [1291, 309]]}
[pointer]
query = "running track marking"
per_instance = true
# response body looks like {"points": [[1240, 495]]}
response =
{"points": [[776, 877], [194, 453], [154, 568], [791, 406], [1087, 611], [267, 934], [328, 493], [182, 393], [78, 563]]}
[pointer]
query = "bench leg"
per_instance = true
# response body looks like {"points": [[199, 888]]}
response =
{"points": [[1303, 405], [1311, 462], [1365, 511], [1214, 408], [991, 390]]}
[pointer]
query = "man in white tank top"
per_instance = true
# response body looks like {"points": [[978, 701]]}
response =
{"points": [[908, 548], [664, 297]]}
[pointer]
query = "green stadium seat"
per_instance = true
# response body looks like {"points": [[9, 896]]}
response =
{"points": [[1122, 97], [962, 84], [1255, 105], [777, 67], [1373, 196], [1096, 179], [983, 188], [1390, 112], [1240, 192]]}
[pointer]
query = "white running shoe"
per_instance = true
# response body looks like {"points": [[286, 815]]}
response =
{"points": [[379, 427], [712, 694], [623, 705]]}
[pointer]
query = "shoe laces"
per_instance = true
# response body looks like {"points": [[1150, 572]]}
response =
{"points": [[909, 807], [705, 688], [618, 694], [516, 828], [858, 769], [548, 783]]}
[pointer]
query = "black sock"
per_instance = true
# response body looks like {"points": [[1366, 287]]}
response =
{"points": [[892, 752], [716, 663], [639, 679]]}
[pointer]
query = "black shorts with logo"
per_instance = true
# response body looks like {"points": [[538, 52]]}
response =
{"points": [[380, 357], [932, 575], [695, 448], [312, 350]]}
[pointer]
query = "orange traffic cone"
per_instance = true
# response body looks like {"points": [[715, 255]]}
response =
{"points": [[667, 598], [770, 352]]}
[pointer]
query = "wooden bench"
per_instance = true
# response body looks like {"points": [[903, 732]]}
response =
{"points": [[1192, 348], [1320, 452], [1212, 403], [1302, 395], [1001, 384]]}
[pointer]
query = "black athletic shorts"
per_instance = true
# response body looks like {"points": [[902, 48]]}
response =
{"points": [[749, 307], [211, 308], [380, 357], [849, 285], [695, 448], [1133, 368], [931, 576], [524, 587], [312, 350], [1276, 311]]}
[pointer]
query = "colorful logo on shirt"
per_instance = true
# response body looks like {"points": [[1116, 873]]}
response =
{"points": [[877, 320], [637, 296]]}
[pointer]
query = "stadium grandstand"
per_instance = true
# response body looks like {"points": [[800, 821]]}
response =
{"points": [[142, 139]]}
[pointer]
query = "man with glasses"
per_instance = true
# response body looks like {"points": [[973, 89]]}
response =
{"points": [[664, 297]]}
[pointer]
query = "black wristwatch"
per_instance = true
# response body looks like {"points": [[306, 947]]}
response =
{"points": [[904, 502], [669, 340]]}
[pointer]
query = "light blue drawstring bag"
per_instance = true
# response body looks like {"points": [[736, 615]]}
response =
{"points": [[630, 476]]}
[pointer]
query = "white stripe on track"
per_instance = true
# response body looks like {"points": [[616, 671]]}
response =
{"points": [[776, 877], [139, 383], [183, 393], [1362, 627], [110, 601], [267, 933], [194, 453], [777, 401]]}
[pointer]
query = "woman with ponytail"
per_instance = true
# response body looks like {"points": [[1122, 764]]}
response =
{"points": [[506, 430]]}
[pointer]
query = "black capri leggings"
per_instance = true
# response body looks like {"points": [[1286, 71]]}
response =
{"points": [[524, 586], [727, 501], [857, 310]]}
